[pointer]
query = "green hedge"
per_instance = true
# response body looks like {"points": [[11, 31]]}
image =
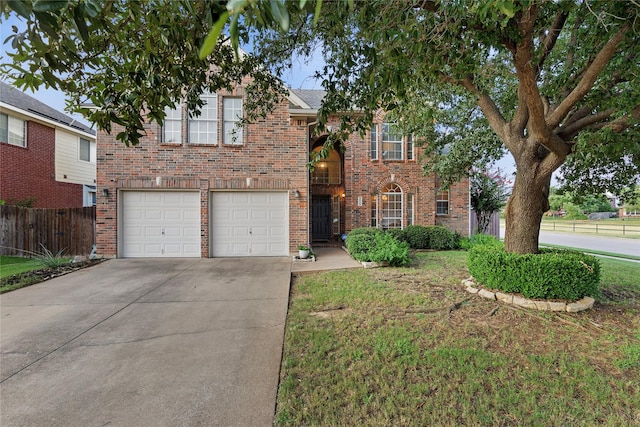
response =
{"points": [[431, 237], [371, 244], [551, 274]]}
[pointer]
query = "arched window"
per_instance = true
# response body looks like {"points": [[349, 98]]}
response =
{"points": [[327, 171], [391, 206]]}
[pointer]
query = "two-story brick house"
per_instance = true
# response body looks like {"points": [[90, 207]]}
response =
{"points": [[45, 155], [204, 187]]}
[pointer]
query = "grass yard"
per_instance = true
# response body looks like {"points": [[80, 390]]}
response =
{"points": [[408, 346], [10, 265]]}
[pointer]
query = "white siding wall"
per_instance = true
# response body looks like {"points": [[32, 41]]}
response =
{"points": [[68, 161]]}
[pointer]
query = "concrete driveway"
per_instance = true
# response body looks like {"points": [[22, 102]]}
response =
{"points": [[163, 342]]}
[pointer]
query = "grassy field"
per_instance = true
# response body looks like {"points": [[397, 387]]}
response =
{"points": [[408, 346]]}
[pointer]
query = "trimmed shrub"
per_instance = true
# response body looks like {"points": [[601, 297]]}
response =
{"points": [[417, 236], [551, 274], [440, 238], [361, 242], [398, 233], [467, 243]]}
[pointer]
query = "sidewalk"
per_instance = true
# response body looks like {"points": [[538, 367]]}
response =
{"points": [[326, 259]]}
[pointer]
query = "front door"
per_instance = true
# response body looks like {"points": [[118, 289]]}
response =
{"points": [[321, 218]]}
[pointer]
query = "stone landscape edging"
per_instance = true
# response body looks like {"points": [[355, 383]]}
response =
{"points": [[572, 307]]}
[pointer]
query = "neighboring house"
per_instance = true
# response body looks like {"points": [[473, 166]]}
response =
{"points": [[45, 155], [190, 189]]}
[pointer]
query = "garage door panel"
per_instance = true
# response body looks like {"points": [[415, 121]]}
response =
{"points": [[160, 224], [249, 224]]}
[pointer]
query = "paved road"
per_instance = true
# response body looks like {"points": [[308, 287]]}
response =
{"points": [[616, 245], [164, 342]]}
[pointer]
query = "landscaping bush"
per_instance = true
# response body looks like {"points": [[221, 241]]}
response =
{"points": [[361, 242], [441, 238], [371, 244], [417, 236], [551, 274], [389, 249], [398, 233], [467, 243]]}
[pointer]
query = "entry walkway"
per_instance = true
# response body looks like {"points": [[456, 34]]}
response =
{"points": [[326, 259]]}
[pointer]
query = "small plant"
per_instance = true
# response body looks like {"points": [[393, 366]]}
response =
{"points": [[303, 248], [51, 260], [389, 249]]}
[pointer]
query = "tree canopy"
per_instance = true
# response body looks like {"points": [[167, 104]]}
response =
{"points": [[123, 61]]}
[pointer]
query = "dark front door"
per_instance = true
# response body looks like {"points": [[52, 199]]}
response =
{"points": [[321, 218]]}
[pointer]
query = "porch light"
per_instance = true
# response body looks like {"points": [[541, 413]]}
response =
{"points": [[296, 194], [105, 192]]}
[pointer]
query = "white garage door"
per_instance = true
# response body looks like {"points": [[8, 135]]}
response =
{"points": [[249, 224], [160, 224]]}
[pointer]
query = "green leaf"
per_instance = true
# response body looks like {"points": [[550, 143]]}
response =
{"points": [[233, 32], [19, 7], [92, 8], [316, 14], [49, 5], [280, 14], [211, 40], [81, 24]]}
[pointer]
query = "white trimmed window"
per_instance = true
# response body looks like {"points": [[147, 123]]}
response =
{"points": [[13, 130], [410, 151], [84, 149], [373, 150], [442, 202], [203, 129], [172, 127], [335, 213], [232, 114], [391, 208], [410, 214], [391, 143], [374, 211]]}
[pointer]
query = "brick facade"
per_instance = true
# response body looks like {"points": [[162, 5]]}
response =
{"points": [[273, 156], [29, 172]]}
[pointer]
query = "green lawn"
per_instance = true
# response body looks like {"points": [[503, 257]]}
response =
{"points": [[13, 265], [408, 346]]}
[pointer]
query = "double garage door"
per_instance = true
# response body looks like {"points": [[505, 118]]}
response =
{"points": [[167, 224]]}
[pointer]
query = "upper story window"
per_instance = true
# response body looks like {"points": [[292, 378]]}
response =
{"points": [[327, 171], [232, 114], [387, 139], [203, 129], [172, 128], [391, 143], [13, 130], [84, 150], [442, 202]]}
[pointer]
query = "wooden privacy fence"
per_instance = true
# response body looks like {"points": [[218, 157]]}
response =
{"points": [[22, 230]]}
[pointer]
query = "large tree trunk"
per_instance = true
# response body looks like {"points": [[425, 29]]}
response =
{"points": [[523, 214]]}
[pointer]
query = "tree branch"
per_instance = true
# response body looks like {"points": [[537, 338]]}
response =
{"points": [[588, 78], [550, 40], [486, 104], [570, 131]]}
